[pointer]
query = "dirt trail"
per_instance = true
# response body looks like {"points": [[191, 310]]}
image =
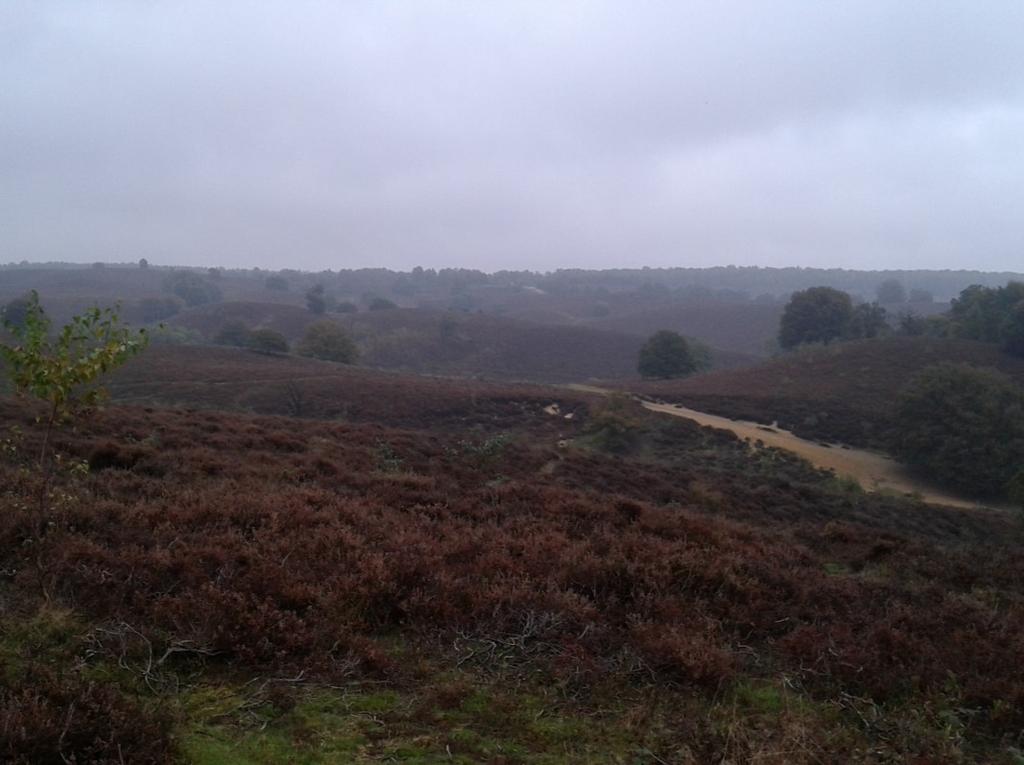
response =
{"points": [[872, 471]]}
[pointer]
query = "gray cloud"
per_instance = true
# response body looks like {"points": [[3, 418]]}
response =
{"points": [[515, 135]]}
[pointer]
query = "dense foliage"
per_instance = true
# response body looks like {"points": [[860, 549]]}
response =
{"points": [[815, 315], [59, 370], [266, 340], [667, 354], [326, 340], [991, 314], [963, 426]]}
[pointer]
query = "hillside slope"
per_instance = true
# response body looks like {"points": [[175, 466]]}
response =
{"points": [[233, 379], [221, 584]]}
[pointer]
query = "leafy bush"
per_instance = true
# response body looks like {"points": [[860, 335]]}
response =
{"points": [[328, 341], [815, 315], [867, 320], [666, 355], [994, 315], [615, 425], [963, 426], [267, 341]]}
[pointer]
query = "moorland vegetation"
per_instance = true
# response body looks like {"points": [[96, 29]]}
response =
{"points": [[503, 574]]}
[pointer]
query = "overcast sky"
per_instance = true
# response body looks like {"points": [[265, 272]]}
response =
{"points": [[514, 134]]}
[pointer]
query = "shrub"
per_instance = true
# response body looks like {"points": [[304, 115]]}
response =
{"points": [[65, 719], [867, 320], [666, 355], [328, 341], [994, 315], [815, 315], [268, 341], [615, 427], [61, 371], [963, 426]]}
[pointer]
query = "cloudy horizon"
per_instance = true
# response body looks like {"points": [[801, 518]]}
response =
{"points": [[513, 136]]}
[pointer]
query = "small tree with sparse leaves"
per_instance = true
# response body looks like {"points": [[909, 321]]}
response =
{"points": [[61, 370]]}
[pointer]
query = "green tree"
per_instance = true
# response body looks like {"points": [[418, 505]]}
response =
{"points": [[991, 314], [815, 315], [963, 426], [276, 283], [667, 354], [61, 371], [328, 341], [867, 320], [1011, 331], [267, 341]]}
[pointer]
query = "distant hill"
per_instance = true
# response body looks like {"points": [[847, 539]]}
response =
{"points": [[841, 392], [745, 328], [454, 343], [426, 340]]}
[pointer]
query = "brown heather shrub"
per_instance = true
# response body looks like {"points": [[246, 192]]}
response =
{"points": [[276, 563], [61, 719]]}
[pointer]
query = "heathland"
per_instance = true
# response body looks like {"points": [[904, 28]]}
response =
{"points": [[263, 557]]}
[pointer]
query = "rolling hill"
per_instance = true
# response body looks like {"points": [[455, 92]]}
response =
{"points": [[454, 343]]}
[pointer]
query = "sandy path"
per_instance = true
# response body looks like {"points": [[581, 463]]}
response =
{"points": [[872, 471]]}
